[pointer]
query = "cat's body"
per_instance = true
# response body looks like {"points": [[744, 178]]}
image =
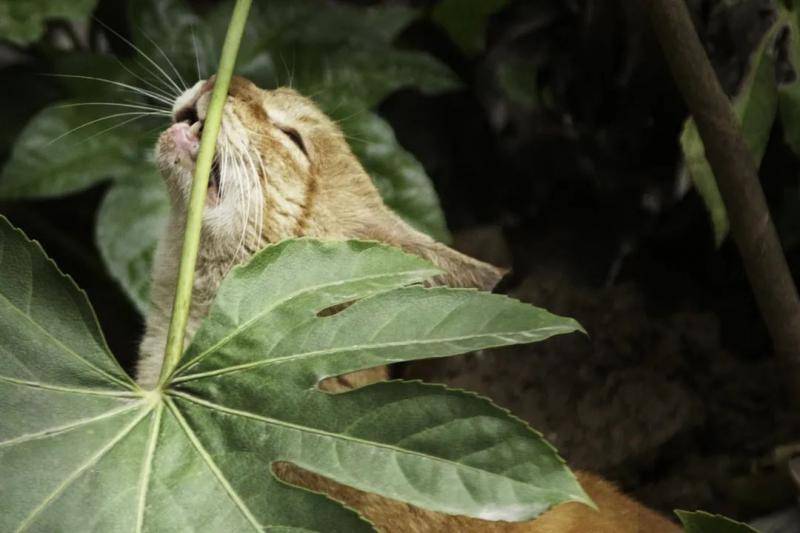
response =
{"points": [[285, 170]]}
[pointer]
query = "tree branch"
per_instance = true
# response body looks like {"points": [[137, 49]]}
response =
{"points": [[737, 177]]}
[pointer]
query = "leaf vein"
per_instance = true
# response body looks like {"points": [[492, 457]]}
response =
{"points": [[79, 471], [212, 465], [62, 345], [506, 337], [249, 322], [49, 432], [339, 437]]}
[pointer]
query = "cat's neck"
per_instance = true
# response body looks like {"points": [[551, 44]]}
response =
{"points": [[215, 259]]}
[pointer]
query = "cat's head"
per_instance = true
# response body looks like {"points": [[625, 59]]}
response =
{"points": [[284, 169]]}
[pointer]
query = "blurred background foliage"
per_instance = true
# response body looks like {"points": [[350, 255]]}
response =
{"points": [[541, 135]]}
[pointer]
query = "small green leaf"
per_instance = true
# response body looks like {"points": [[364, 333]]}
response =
{"points": [[465, 21], [22, 21], [130, 221], [702, 522], [84, 449], [755, 104]]}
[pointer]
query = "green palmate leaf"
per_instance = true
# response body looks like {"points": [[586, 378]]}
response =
{"points": [[755, 104], [702, 522], [83, 449], [465, 21], [22, 21], [130, 221]]}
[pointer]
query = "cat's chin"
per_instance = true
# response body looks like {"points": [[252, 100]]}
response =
{"points": [[177, 153]]}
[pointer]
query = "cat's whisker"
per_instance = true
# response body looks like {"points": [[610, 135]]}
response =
{"points": [[139, 114], [260, 176], [126, 86], [165, 107], [314, 95], [145, 56], [238, 174], [289, 73], [165, 86], [352, 115], [200, 75], [141, 107], [169, 62], [123, 123], [349, 138], [254, 184], [155, 88], [246, 178]]}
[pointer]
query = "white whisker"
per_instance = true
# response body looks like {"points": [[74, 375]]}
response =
{"points": [[239, 177], [289, 73], [165, 86], [200, 75], [133, 88], [117, 104], [169, 62], [155, 88], [147, 57], [86, 124], [260, 191], [115, 126]]}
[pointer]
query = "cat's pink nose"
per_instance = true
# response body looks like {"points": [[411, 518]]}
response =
{"points": [[185, 138]]}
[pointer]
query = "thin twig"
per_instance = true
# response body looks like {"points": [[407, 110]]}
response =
{"points": [[197, 200], [737, 177]]}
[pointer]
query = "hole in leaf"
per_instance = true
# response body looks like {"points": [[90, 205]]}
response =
{"points": [[353, 380]]}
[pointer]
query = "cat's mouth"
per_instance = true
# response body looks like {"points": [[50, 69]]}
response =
{"points": [[187, 134]]}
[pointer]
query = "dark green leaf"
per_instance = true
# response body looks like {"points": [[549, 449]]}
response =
{"points": [[702, 522], [342, 51], [68, 148], [84, 449], [22, 21], [399, 177], [131, 218], [465, 21], [518, 80]]}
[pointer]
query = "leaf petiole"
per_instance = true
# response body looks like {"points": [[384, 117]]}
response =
{"points": [[194, 216]]}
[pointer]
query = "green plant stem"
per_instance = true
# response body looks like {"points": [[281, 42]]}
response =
{"points": [[197, 200], [736, 173]]}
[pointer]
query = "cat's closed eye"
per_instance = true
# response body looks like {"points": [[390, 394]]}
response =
{"points": [[295, 137]]}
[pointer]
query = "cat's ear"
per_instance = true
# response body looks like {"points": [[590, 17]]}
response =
{"points": [[459, 270]]}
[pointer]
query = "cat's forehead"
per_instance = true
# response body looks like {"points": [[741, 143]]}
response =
{"points": [[281, 104], [290, 104]]}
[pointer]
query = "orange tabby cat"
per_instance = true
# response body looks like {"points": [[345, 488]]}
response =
{"points": [[284, 169]]}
